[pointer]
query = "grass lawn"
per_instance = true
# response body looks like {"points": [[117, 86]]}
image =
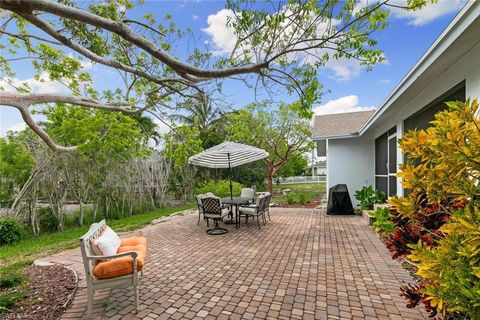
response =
{"points": [[32, 247], [307, 191]]}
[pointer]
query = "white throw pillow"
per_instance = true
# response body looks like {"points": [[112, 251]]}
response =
{"points": [[107, 244]]}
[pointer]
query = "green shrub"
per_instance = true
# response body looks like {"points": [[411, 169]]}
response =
{"points": [[10, 231], [220, 188], [438, 221], [8, 301], [290, 198], [48, 221], [11, 280], [383, 222], [367, 196], [302, 198]]}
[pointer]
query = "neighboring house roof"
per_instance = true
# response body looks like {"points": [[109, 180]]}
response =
{"points": [[339, 124]]}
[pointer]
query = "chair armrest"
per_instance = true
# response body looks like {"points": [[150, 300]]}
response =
{"points": [[118, 255]]}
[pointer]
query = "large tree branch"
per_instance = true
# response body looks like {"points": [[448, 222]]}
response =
{"points": [[27, 117], [48, 28], [26, 7], [23, 102], [24, 37], [28, 99]]}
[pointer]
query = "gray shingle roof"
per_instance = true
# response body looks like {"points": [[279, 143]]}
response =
{"points": [[339, 124]]}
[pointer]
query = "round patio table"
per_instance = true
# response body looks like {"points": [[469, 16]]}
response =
{"points": [[237, 202]]}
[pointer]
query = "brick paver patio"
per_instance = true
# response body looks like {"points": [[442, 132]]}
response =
{"points": [[302, 265]]}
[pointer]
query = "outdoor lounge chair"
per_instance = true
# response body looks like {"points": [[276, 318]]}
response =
{"points": [[106, 271], [255, 210], [213, 209]]}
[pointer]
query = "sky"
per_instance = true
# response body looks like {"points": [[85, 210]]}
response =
{"points": [[347, 86]]}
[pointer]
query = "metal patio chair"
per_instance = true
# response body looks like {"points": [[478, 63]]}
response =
{"points": [[213, 209], [255, 210]]}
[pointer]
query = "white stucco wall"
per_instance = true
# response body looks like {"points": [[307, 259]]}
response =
{"points": [[351, 162]]}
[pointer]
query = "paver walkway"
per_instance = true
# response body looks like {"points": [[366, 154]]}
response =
{"points": [[302, 265]]}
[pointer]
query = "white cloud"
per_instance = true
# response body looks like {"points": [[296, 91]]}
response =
{"points": [[194, 17], [223, 37], [429, 13], [163, 126], [16, 127], [341, 105], [44, 85], [343, 69], [20, 126]]}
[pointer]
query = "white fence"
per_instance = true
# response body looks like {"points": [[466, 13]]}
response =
{"points": [[301, 179]]}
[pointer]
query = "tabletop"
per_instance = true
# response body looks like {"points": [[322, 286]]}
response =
{"points": [[236, 200]]}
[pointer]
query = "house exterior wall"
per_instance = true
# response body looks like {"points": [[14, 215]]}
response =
{"points": [[453, 60], [466, 69], [350, 162]]}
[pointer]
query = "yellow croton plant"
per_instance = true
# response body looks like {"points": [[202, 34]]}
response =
{"points": [[443, 164]]}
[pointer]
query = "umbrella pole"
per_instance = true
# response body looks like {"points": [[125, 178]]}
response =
{"points": [[230, 175]]}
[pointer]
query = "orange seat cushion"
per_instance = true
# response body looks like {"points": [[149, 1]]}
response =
{"points": [[123, 265], [133, 241]]}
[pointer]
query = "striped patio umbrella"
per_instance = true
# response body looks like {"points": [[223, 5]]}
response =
{"points": [[227, 155]]}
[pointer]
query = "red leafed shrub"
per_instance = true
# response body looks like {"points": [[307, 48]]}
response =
{"points": [[398, 242], [422, 224], [412, 293]]}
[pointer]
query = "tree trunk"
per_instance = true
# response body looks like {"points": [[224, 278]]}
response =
{"points": [[80, 218], [95, 209], [270, 173]]}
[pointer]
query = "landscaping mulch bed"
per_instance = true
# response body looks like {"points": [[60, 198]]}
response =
{"points": [[310, 205], [50, 289]]}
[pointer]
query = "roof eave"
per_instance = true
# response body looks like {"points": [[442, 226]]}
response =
{"points": [[338, 136]]}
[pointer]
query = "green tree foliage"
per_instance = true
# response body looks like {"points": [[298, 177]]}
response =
{"points": [[181, 144], [220, 188], [101, 135], [198, 112], [282, 132], [16, 164], [279, 47], [249, 174], [295, 166]]}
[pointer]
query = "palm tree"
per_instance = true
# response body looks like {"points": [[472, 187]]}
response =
{"points": [[199, 112]]}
